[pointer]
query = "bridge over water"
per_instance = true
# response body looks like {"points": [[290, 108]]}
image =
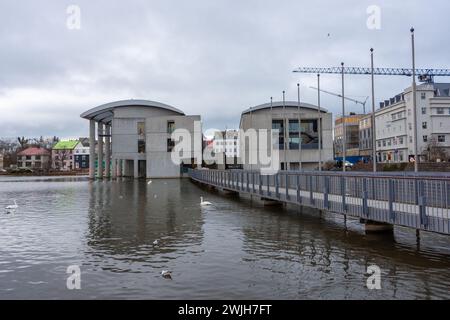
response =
{"points": [[419, 201]]}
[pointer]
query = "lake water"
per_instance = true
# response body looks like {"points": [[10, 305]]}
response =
{"points": [[234, 249]]}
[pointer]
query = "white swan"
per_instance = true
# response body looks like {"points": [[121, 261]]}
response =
{"points": [[12, 206], [204, 203], [155, 243], [166, 274], [150, 181]]}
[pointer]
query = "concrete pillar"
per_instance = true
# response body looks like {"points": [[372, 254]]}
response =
{"points": [[114, 168], [123, 164], [108, 151], [136, 168], [91, 149], [100, 151]]}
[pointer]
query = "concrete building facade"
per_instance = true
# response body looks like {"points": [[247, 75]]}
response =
{"points": [[395, 129], [285, 118], [352, 137], [63, 154], [134, 139], [34, 158], [366, 137]]}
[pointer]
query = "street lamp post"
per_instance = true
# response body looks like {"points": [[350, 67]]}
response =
{"points": [[374, 140], [344, 134], [319, 122], [416, 151], [300, 165]]}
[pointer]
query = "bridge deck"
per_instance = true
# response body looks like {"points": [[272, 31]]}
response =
{"points": [[415, 201]]}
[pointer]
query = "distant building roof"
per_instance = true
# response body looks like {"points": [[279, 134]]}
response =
{"points": [[34, 151], [66, 145]]}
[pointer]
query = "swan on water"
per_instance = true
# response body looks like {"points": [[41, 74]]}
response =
{"points": [[12, 206], [204, 203], [166, 274]]}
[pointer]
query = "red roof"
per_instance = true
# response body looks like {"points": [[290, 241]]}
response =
{"points": [[34, 151]]}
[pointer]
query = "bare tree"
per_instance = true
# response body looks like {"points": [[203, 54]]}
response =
{"points": [[435, 150]]}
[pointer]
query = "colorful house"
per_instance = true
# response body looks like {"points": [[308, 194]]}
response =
{"points": [[34, 158], [63, 154]]}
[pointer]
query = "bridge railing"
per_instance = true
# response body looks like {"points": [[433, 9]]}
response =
{"points": [[417, 201]]}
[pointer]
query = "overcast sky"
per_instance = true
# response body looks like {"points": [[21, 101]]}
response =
{"points": [[210, 57]]}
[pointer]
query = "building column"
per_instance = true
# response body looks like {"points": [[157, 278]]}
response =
{"points": [[100, 151], [108, 151], [91, 149], [114, 168], [136, 168]]}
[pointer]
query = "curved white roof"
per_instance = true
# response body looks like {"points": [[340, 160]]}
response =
{"points": [[104, 113], [289, 104]]}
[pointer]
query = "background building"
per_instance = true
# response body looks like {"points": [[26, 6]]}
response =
{"points": [[135, 137], [81, 155], [63, 154], [34, 158], [286, 121], [395, 129], [227, 144], [352, 122], [365, 137]]}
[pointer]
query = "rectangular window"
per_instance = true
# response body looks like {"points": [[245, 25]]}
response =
{"points": [[400, 140], [441, 138], [170, 145], [37, 157], [424, 125], [141, 146], [170, 127], [410, 126], [424, 110], [279, 125], [423, 95], [440, 111], [425, 138], [141, 130]]}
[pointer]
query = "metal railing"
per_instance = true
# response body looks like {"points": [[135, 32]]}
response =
{"points": [[415, 201]]}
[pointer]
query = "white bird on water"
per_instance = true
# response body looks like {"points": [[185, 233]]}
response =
{"points": [[166, 274], [155, 243], [204, 203], [149, 182], [12, 206]]}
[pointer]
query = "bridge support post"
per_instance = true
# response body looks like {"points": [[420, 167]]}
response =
{"points": [[371, 226], [270, 202]]}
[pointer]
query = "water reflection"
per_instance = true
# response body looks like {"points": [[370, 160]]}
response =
{"points": [[234, 249]]}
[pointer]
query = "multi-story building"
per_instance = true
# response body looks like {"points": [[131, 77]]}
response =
{"points": [[394, 123], [295, 143], [226, 143], [34, 158], [81, 156], [352, 137], [135, 139], [63, 154], [365, 137]]}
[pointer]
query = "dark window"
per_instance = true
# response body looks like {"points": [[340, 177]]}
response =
{"points": [[170, 145], [141, 146], [424, 125], [441, 138], [37, 157], [279, 125], [170, 126]]}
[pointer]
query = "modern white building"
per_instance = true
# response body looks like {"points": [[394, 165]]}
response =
{"points": [[395, 129], [285, 119], [228, 143], [136, 136]]}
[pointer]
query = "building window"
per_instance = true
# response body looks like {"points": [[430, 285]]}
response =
{"points": [[141, 129], [424, 125], [440, 111], [141, 146], [279, 125], [410, 126], [170, 127], [425, 138], [441, 138], [400, 140], [294, 140], [410, 139], [37, 157], [424, 110], [423, 95], [170, 145]]}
